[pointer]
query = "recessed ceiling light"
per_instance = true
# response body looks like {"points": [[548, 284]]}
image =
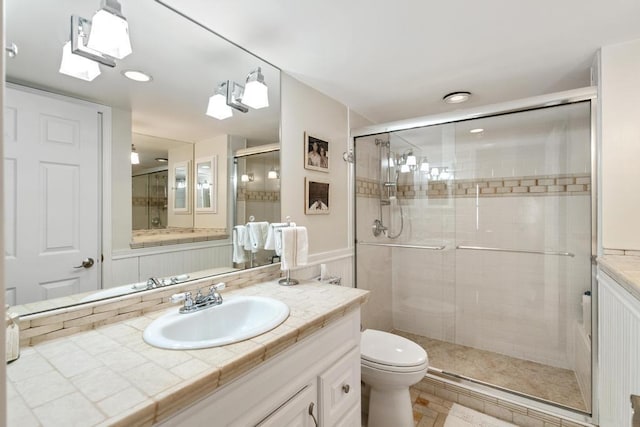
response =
{"points": [[161, 159], [137, 76], [456, 97], [476, 130]]}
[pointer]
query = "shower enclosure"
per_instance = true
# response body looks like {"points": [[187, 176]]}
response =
{"points": [[475, 237]]}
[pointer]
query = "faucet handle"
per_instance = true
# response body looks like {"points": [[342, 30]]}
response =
{"points": [[220, 286], [184, 296]]}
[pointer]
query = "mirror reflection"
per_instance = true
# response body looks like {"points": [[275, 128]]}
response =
{"points": [[142, 189], [257, 207]]}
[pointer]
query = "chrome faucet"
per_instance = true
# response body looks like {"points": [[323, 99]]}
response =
{"points": [[153, 283], [200, 302]]}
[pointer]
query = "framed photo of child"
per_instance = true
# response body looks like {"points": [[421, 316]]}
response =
{"points": [[316, 197], [316, 153]]}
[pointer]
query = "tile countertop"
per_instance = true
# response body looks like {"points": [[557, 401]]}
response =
{"points": [[110, 376], [624, 269]]}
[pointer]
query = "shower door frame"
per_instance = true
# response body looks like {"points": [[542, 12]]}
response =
{"points": [[589, 94]]}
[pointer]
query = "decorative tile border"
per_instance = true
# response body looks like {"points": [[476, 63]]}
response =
{"points": [[174, 235], [149, 201], [496, 407], [625, 252], [547, 185], [258, 196], [45, 326]]}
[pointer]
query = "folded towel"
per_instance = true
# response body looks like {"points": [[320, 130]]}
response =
{"points": [[238, 236], [257, 235], [274, 239], [295, 247]]}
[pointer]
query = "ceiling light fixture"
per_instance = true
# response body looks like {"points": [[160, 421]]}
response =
{"points": [[218, 107], [476, 130], [137, 76], [456, 97], [135, 158]]}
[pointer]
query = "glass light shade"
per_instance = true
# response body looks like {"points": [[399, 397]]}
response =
{"points": [[218, 107], [244, 177], [435, 172], [272, 175], [405, 169], [424, 166], [411, 160], [392, 163], [135, 158], [255, 95], [78, 66], [109, 35]]}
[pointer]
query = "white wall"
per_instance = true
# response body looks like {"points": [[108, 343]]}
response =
{"points": [[3, 380], [305, 109], [620, 110], [121, 179]]}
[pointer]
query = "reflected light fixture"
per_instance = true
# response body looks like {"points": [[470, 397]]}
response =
{"points": [[246, 177], [476, 130], [424, 165], [137, 76], [162, 159], [135, 158], [456, 97], [77, 66], [110, 31], [272, 174], [255, 91], [218, 107]]}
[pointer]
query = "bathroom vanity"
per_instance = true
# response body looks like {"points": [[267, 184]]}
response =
{"points": [[109, 376]]}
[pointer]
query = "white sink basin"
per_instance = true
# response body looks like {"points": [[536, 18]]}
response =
{"points": [[236, 319]]}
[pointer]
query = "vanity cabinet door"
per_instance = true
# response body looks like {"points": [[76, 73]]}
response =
{"points": [[340, 391], [299, 411]]}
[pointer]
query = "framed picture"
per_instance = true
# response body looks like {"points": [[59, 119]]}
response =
{"points": [[316, 153], [316, 197]]}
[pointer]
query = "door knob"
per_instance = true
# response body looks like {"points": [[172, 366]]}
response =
{"points": [[86, 263]]}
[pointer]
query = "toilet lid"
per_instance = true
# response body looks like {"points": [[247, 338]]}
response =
{"points": [[389, 349]]}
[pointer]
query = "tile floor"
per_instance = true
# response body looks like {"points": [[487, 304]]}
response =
{"points": [[535, 379], [428, 410]]}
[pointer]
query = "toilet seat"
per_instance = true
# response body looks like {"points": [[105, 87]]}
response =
{"points": [[388, 352]]}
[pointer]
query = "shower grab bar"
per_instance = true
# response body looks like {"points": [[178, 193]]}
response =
{"points": [[520, 251], [402, 245]]}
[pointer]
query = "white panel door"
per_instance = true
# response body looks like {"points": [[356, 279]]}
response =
{"points": [[51, 187]]}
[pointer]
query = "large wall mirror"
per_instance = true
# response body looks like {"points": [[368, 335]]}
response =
{"points": [[167, 214]]}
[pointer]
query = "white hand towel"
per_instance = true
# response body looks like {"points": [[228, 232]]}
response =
{"points": [[238, 236], [274, 239], [257, 234], [295, 247]]}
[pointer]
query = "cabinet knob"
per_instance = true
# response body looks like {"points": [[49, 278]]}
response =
{"points": [[346, 388]]}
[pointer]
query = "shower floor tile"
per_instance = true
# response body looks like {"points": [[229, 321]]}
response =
{"points": [[530, 378]]}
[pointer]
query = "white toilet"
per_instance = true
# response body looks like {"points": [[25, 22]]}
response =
{"points": [[390, 364]]}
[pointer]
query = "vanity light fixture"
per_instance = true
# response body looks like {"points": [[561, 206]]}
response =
{"points": [[424, 165], [456, 97], [246, 177], [137, 76], [102, 40], [135, 158], [218, 107], [110, 31], [255, 93], [273, 174], [77, 66]]}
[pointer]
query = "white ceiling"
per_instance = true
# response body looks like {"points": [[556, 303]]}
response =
{"points": [[391, 60]]}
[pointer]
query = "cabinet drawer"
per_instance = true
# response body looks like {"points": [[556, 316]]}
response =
{"points": [[340, 388]]}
